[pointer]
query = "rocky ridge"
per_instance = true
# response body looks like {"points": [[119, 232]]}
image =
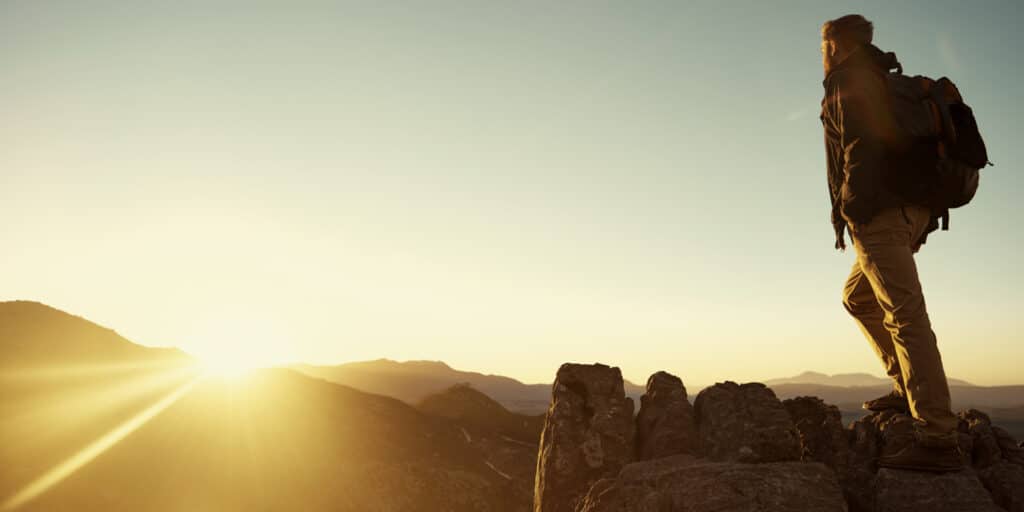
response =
{"points": [[739, 448]]}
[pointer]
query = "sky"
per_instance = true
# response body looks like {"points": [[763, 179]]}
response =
{"points": [[504, 186]]}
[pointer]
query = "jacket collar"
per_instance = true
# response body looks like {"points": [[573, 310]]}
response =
{"points": [[868, 56]]}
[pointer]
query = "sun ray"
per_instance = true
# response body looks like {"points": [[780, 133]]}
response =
{"points": [[61, 372], [94, 449], [82, 402]]}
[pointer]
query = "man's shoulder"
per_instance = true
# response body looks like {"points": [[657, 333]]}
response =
{"points": [[854, 78]]}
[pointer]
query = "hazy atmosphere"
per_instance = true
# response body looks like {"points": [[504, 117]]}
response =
{"points": [[504, 187]]}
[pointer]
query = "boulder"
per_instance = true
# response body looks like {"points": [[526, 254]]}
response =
{"points": [[820, 430], [984, 445], [1011, 451], [744, 423], [858, 479], [682, 483], [588, 435], [997, 459], [664, 425], [916, 491]]}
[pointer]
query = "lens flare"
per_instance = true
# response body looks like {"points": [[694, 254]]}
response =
{"points": [[94, 449]]}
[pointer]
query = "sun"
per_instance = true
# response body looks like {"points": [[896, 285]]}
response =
{"points": [[234, 361], [228, 368], [234, 345]]}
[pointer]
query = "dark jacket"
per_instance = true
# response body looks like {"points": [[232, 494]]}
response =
{"points": [[858, 126]]}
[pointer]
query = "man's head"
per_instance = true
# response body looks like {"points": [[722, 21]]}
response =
{"points": [[841, 36]]}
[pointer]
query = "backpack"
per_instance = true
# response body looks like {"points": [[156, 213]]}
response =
{"points": [[940, 144]]}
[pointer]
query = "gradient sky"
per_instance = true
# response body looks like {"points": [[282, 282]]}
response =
{"points": [[504, 186]]}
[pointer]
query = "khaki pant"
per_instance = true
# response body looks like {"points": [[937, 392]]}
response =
{"points": [[883, 294]]}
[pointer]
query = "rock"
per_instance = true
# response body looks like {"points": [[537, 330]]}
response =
{"points": [[1005, 482], [916, 491], [866, 439], [858, 479], [745, 423], [664, 425], [588, 435], [682, 483], [1008, 446], [820, 429], [984, 446]]}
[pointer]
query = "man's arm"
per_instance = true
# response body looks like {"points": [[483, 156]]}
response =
{"points": [[861, 106]]}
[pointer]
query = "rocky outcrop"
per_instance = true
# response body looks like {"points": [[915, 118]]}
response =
{"points": [[996, 458], [587, 436], [685, 484], [745, 423], [752, 453], [664, 425]]}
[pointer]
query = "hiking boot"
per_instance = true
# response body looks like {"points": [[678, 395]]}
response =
{"points": [[893, 401], [932, 453]]}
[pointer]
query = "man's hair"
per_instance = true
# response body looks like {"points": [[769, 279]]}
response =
{"points": [[850, 30]]}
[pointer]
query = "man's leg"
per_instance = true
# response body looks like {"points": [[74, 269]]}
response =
{"points": [[885, 257], [859, 300]]}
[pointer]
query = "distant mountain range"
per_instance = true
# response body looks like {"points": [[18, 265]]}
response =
{"points": [[411, 381], [845, 380]]}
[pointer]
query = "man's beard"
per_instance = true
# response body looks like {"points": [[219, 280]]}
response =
{"points": [[828, 63]]}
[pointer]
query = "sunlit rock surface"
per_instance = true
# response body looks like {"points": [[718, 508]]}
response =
{"points": [[745, 423], [588, 435]]}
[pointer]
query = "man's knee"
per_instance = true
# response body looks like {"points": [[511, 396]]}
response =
{"points": [[909, 315], [859, 307]]}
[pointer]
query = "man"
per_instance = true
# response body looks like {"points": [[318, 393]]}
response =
{"points": [[883, 293]]}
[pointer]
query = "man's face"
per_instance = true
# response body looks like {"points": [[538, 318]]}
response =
{"points": [[828, 53]]}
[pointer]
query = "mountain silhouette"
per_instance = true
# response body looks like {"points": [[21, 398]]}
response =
{"points": [[472, 408], [844, 380], [34, 335], [412, 381]]}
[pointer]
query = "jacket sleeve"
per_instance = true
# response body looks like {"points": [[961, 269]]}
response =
{"points": [[861, 107]]}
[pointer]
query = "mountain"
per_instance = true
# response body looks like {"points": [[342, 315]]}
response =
{"points": [[844, 380], [507, 441], [34, 335], [412, 381], [474, 409], [104, 429]]}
